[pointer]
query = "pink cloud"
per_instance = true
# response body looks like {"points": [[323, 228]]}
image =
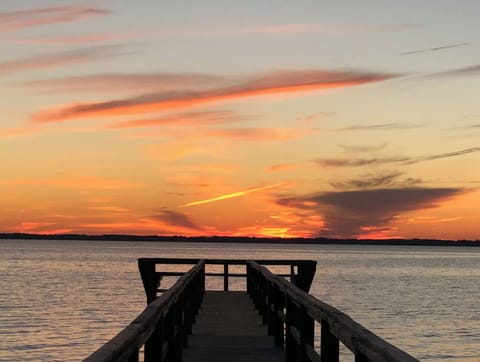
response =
{"points": [[186, 119], [67, 57], [23, 19], [281, 82], [282, 167], [128, 82]]}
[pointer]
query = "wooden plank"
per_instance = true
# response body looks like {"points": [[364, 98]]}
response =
{"points": [[228, 328]]}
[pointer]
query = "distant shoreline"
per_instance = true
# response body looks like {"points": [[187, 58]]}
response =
{"points": [[234, 239]]}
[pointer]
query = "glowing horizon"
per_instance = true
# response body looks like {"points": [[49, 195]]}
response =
{"points": [[306, 120]]}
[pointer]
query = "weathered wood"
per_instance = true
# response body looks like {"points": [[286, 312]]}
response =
{"points": [[128, 341], [151, 278], [329, 344], [228, 329], [357, 338]]}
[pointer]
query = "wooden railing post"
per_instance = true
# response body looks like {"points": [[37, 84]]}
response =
{"points": [[225, 277], [178, 330], [307, 334], [360, 357], [279, 325], [133, 357], [153, 351], [291, 343], [270, 309], [329, 344]]}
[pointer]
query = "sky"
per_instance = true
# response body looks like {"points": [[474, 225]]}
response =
{"points": [[241, 118]]}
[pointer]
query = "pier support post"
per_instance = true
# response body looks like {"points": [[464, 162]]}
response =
{"points": [[329, 345]]}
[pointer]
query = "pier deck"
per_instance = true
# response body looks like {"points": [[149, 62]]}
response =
{"points": [[273, 320], [229, 328]]}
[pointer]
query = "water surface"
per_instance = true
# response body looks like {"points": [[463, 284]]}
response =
{"points": [[60, 300]]}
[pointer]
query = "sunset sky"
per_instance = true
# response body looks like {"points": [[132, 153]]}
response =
{"points": [[243, 118]]}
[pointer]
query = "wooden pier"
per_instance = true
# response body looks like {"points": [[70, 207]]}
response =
{"points": [[272, 320]]}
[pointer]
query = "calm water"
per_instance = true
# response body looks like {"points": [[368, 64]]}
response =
{"points": [[59, 301]]}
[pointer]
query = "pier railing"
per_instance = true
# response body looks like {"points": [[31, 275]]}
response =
{"points": [[162, 328], [301, 272], [290, 314]]}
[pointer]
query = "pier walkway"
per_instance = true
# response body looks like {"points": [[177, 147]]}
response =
{"points": [[274, 319], [228, 328]]}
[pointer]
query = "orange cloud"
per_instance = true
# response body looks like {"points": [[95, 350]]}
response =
{"points": [[232, 195], [285, 82], [255, 134], [182, 119], [23, 19], [281, 167], [77, 183], [181, 149], [108, 208], [230, 134], [142, 226], [39, 227]]}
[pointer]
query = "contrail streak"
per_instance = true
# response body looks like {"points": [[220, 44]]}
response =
{"points": [[232, 195]]}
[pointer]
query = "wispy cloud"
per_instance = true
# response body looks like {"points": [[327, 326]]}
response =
{"points": [[248, 134], [22, 19], [146, 225], [176, 218], [353, 213], [355, 149], [280, 29], [254, 134], [470, 71], [109, 209], [372, 181], [187, 119], [78, 39], [281, 82], [378, 127], [281, 167], [233, 195], [182, 148], [356, 162], [39, 227], [86, 182], [444, 155], [435, 49], [67, 57], [127, 82]]}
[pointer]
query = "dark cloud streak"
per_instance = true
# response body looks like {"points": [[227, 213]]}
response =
{"points": [[175, 218], [347, 213], [434, 49], [470, 71], [357, 162], [375, 181]]}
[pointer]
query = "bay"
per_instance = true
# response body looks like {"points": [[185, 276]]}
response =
{"points": [[61, 300]]}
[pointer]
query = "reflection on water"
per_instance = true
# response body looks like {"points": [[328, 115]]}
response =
{"points": [[59, 301]]}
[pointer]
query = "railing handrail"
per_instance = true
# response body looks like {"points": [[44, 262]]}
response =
{"points": [[353, 335], [136, 334], [301, 271], [234, 261]]}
